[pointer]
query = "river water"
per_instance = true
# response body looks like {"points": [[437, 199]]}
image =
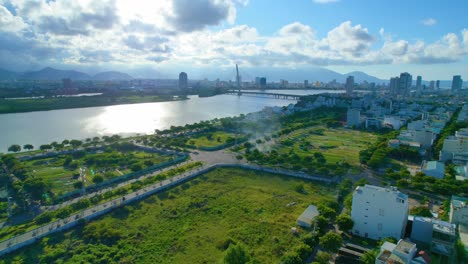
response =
{"points": [[43, 127]]}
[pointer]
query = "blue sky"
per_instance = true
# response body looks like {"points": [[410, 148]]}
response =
{"points": [[381, 38]]}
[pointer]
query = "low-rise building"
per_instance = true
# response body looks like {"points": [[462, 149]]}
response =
{"points": [[455, 146], [353, 118], [433, 168], [403, 253], [379, 212], [459, 210], [308, 216]]}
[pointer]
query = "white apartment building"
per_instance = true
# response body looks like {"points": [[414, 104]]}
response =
{"points": [[455, 146], [353, 117], [379, 212]]}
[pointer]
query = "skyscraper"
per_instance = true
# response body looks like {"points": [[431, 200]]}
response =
{"points": [[405, 84], [418, 83], [437, 84], [457, 82], [349, 85], [183, 81], [306, 83], [394, 84], [263, 82]]}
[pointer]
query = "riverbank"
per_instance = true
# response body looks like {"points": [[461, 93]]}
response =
{"points": [[56, 103]]}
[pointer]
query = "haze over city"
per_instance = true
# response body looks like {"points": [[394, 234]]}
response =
{"points": [[161, 38]]}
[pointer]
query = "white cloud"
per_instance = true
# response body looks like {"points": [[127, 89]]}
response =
{"points": [[9, 22], [429, 21], [133, 33]]}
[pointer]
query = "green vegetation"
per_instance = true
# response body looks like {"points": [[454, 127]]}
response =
{"points": [[336, 145], [42, 104], [195, 222], [421, 211], [213, 139]]}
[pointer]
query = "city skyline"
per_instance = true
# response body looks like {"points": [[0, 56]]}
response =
{"points": [[172, 36]]}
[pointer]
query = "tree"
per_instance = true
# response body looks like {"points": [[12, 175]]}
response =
{"points": [[421, 211], [344, 222], [14, 148], [36, 187], [236, 254], [322, 257], [291, 258], [78, 185], [98, 179], [369, 257], [45, 147], [28, 147], [321, 222], [326, 211], [331, 241], [75, 143]]}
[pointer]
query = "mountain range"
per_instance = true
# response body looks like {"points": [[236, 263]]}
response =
{"points": [[247, 74], [54, 74]]}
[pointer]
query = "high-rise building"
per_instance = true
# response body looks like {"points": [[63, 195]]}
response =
{"points": [[431, 85], [353, 118], [457, 82], [437, 84], [394, 84], [379, 212], [306, 83], [419, 83], [183, 81], [405, 84], [349, 85], [263, 82]]}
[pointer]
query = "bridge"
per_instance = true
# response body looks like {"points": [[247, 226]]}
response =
{"points": [[266, 94]]}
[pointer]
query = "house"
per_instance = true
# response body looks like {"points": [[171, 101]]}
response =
{"points": [[456, 147], [434, 169], [459, 210], [379, 212], [403, 252], [306, 218]]}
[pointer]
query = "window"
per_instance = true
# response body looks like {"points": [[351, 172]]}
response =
{"points": [[381, 212], [399, 200]]}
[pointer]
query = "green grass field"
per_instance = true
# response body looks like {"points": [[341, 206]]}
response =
{"points": [[61, 178], [217, 138], [192, 223], [335, 144]]}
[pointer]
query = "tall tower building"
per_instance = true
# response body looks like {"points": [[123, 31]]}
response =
{"points": [[438, 84], [394, 84], [457, 82], [349, 85], [183, 81], [419, 83], [405, 84]]}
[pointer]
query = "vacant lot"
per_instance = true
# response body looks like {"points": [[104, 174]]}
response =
{"points": [[335, 144], [61, 172], [193, 223]]}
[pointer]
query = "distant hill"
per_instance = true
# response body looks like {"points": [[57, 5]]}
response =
{"points": [[8, 75], [112, 75], [54, 74], [362, 76]]}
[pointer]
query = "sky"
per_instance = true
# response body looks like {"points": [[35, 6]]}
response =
{"points": [[381, 38]]}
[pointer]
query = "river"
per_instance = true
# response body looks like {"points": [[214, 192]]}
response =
{"points": [[43, 127]]}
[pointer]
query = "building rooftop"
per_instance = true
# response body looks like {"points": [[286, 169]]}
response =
{"points": [[444, 227], [384, 255], [308, 215], [459, 202], [434, 165], [405, 246], [374, 188]]}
